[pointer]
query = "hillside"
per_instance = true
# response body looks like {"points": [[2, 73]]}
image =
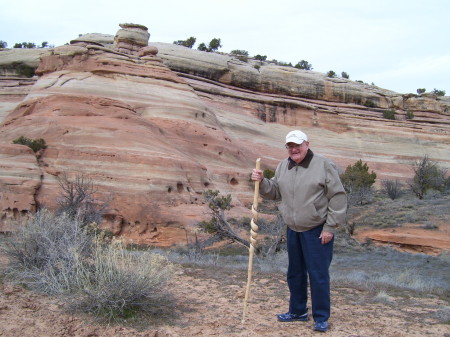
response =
{"points": [[155, 124]]}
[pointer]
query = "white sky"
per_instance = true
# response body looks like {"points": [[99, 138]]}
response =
{"points": [[400, 45]]}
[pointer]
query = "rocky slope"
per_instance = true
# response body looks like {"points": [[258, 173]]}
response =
{"points": [[154, 125]]}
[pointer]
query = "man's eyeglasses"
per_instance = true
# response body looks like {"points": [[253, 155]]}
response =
{"points": [[293, 146]]}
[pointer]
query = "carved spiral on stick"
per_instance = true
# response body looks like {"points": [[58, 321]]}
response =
{"points": [[254, 227], [253, 234]]}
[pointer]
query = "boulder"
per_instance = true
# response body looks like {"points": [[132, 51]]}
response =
{"points": [[131, 38]]}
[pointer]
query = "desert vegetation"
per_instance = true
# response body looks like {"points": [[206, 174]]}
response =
{"points": [[389, 114], [428, 176], [28, 45], [34, 144], [331, 74], [58, 256], [358, 182], [435, 91], [305, 65], [409, 114], [189, 43], [65, 255], [222, 228], [438, 92], [241, 55], [213, 46], [345, 75]]}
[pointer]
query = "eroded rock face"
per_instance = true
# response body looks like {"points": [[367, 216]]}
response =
{"points": [[137, 129], [20, 179], [267, 78], [154, 126]]}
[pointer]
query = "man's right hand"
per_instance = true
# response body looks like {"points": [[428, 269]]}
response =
{"points": [[257, 175]]}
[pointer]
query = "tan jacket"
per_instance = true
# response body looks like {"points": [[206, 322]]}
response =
{"points": [[311, 193]]}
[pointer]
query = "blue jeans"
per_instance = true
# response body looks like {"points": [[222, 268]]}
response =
{"points": [[308, 257]]}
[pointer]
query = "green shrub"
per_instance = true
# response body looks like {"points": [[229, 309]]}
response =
{"points": [[29, 45], [34, 144], [345, 75], [214, 45], [202, 47], [268, 173], [25, 70], [331, 74], [358, 182], [389, 114], [242, 58], [222, 229], [189, 43], [370, 104], [239, 52], [409, 115], [241, 55], [421, 91], [3, 44], [260, 57], [438, 92], [305, 65], [284, 64]]}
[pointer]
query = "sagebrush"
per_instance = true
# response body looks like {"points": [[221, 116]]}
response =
{"points": [[58, 255]]}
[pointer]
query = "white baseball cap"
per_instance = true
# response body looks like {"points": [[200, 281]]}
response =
{"points": [[296, 137]]}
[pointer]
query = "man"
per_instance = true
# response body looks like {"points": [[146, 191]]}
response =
{"points": [[313, 204]]}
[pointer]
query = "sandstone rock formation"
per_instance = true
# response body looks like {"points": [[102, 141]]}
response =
{"points": [[131, 38], [156, 125], [20, 179]]}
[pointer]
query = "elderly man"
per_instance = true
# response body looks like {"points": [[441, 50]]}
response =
{"points": [[313, 204]]}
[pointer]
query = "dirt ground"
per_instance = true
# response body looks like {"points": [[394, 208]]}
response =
{"points": [[209, 302]]}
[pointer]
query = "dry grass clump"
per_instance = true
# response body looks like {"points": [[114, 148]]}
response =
{"points": [[58, 255], [44, 252], [379, 269], [117, 282], [383, 297], [387, 213]]}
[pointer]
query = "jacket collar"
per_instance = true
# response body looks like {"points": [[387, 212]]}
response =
{"points": [[304, 163]]}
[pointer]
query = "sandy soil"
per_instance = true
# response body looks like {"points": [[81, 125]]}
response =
{"points": [[209, 302]]}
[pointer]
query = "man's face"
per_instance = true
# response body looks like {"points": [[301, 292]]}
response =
{"points": [[297, 152]]}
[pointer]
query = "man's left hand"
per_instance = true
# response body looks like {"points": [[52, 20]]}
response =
{"points": [[326, 237]]}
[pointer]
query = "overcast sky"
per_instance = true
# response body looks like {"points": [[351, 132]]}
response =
{"points": [[400, 45]]}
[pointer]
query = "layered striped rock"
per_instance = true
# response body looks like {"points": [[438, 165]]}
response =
{"points": [[20, 180], [144, 137], [155, 126]]}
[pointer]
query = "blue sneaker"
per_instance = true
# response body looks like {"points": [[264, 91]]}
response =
{"points": [[288, 317], [320, 326]]}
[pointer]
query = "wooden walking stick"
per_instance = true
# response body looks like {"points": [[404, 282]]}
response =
{"points": [[253, 234]]}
